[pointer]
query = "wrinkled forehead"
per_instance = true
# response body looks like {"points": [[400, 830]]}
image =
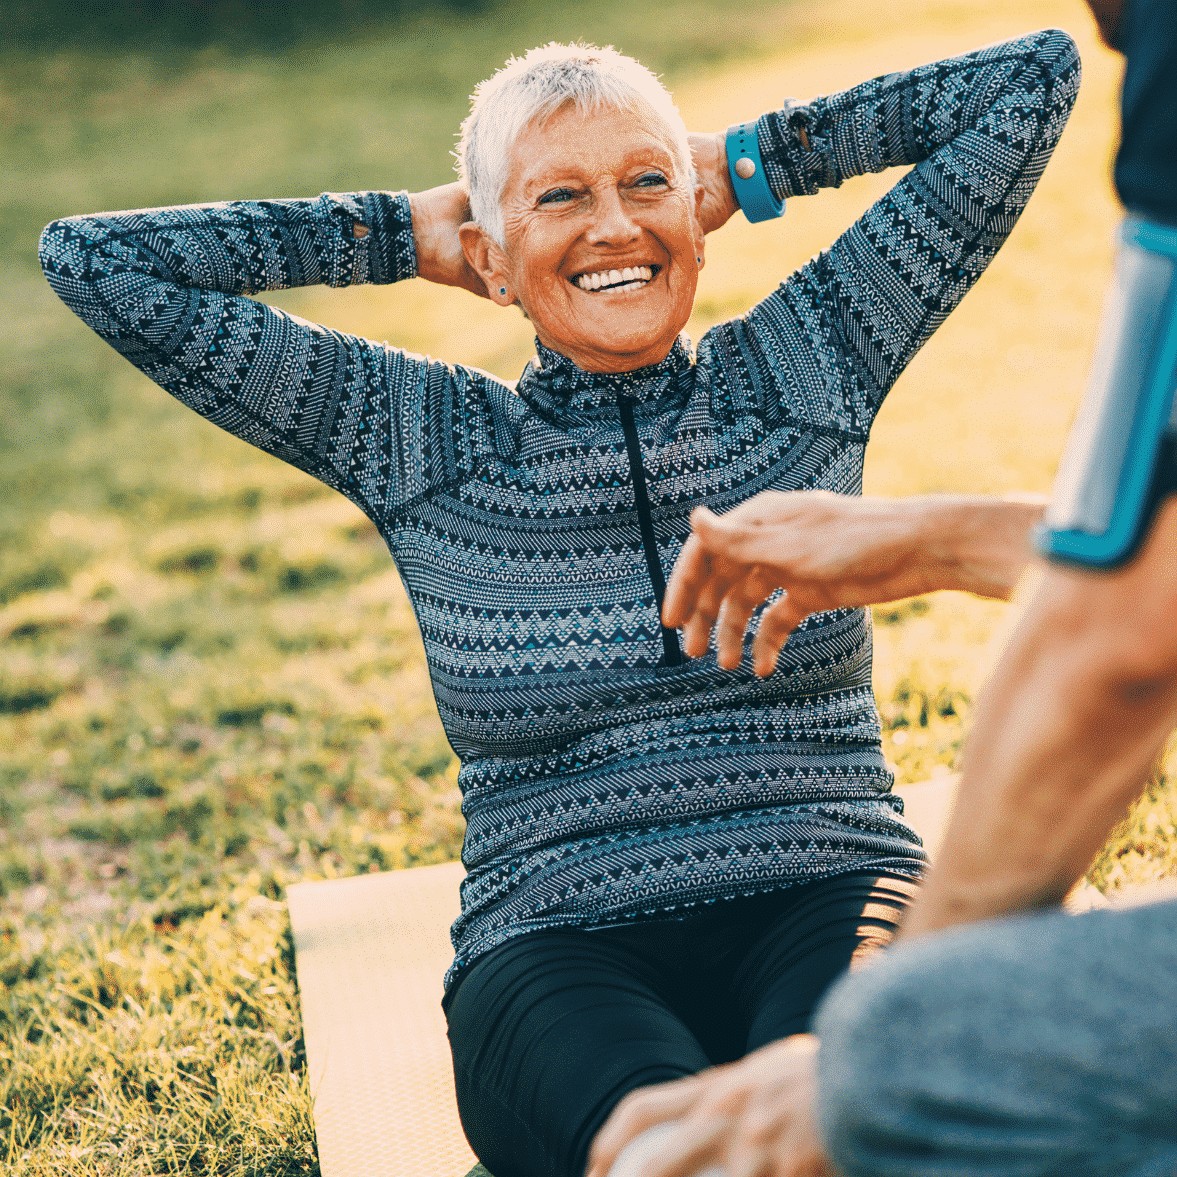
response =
{"points": [[574, 142]]}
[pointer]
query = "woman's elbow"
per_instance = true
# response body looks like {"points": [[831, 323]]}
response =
{"points": [[1059, 57], [1060, 69], [64, 251], [53, 249]]}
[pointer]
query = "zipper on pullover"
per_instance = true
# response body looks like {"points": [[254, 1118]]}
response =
{"points": [[671, 652]]}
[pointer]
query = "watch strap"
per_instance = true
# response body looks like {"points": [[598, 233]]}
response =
{"points": [[746, 169]]}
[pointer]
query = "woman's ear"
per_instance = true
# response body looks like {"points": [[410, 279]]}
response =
{"points": [[698, 233], [486, 258]]}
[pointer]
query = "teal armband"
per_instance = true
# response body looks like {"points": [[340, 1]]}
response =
{"points": [[1118, 460], [746, 169]]}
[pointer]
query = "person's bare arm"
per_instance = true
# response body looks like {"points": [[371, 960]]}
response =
{"points": [[830, 551], [1063, 738]]}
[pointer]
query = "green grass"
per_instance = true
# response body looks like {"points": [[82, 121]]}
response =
{"points": [[210, 681]]}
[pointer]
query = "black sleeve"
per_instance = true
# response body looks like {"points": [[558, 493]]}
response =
{"points": [[1146, 167]]}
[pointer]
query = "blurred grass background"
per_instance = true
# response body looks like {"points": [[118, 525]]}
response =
{"points": [[210, 681]]}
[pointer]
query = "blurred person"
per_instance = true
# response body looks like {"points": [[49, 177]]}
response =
{"points": [[668, 863], [1000, 1035]]}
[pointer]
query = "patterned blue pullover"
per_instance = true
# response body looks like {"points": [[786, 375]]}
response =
{"points": [[605, 777]]}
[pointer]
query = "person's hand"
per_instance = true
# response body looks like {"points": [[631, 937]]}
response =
{"points": [[709, 154], [826, 551], [751, 1118], [438, 214]]}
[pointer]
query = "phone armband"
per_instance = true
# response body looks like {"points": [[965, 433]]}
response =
{"points": [[1117, 465]]}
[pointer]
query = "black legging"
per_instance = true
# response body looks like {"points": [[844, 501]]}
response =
{"points": [[550, 1030]]}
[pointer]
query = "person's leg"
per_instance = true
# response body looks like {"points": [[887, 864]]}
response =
{"points": [[548, 1032], [1031, 1046], [794, 952]]}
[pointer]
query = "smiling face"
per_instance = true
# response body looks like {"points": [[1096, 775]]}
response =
{"points": [[602, 237]]}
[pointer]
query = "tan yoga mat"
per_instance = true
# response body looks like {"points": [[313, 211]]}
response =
{"points": [[371, 953]]}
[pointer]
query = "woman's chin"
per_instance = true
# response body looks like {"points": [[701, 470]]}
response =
{"points": [[623, 352], [614, 342], [614, 331]]}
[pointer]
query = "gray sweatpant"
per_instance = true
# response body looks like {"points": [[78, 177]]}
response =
{"points": [[1034, 1045]]}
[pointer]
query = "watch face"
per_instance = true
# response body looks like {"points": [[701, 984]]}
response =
{"points": [[1139, 320]]}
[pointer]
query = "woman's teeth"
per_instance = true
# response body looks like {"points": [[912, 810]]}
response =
{"points": [[631, 278]]}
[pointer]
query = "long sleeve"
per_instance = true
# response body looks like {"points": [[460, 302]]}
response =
{"points": [[167, 288], [979, 129]]}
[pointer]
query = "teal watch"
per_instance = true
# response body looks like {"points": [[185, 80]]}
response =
{"points": [[746, 169]]}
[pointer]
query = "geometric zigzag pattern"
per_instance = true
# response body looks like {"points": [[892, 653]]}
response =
{"points": [[605, 779]]}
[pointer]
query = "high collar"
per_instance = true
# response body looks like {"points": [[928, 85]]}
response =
{"points": [[562, 391]]}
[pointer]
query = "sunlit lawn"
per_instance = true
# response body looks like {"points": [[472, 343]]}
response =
{"points": [[210, 682]]}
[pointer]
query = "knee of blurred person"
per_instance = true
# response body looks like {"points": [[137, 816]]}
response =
{"points": [[914, 1074], [1035, 1044], [871, 1090]]}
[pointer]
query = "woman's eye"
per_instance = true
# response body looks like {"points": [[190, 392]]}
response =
{"points": [[556, 196]]}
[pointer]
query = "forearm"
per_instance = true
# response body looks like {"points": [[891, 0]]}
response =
{"points": [[1016, 94], [1063, 738], [830, 551], [973, 543], [237, 247], [156, 283], [166, 288], [882, 549], [980, 130]]}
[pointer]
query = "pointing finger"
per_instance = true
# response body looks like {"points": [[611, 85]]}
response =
{"points": [[689, 572]]}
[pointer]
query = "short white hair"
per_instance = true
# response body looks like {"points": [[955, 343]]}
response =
{"points": [[535, 86]]}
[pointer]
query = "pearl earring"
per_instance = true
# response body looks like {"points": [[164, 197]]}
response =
{"points": [[502, 290], [699, 260]]}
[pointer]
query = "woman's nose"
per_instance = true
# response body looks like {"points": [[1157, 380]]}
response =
{"points": [[612, 223]]}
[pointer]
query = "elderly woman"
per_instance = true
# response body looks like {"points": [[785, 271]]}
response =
{"points": [[669, 860]]}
